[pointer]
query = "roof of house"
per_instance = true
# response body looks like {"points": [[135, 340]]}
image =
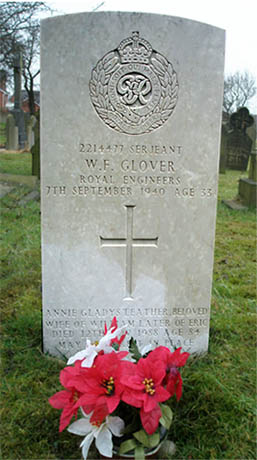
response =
{"points": [[24, 96]]}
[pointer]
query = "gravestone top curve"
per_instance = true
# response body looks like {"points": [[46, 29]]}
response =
{"points": [[129, 170]]}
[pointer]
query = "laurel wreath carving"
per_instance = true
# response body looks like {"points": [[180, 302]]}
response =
{"points": [[98, 87]]}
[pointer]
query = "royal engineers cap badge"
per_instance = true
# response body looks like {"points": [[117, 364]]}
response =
{"points": [[133, 88]]}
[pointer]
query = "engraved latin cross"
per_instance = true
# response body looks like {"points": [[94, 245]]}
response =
{"points": [[129, 243]]}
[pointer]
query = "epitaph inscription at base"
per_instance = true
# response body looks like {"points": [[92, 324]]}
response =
{"points": [[131, 116]]}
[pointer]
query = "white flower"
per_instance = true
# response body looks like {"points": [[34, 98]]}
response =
{"points": [[146, 349], [92, 350], [102, 434]]}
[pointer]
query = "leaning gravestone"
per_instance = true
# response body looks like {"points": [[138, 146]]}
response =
{"points": [[129, 177], [239, 144]]}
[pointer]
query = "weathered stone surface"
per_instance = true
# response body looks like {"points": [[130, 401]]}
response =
{"points": [[131, 116], [11, 133], [31, 181], [223, 149], [236, 205], [247, 192], [247, 188], [253, 167]]}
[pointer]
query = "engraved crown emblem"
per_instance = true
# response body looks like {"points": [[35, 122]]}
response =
{"points": [[134, 88], [135, 49]]}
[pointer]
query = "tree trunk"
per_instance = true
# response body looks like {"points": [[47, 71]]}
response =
{"points": [[31, 99]]}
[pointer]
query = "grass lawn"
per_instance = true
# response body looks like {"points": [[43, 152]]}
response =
{"points": [[215, 418], [16, 163]]}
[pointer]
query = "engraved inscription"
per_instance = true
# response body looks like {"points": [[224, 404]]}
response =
{"points": [[129, 243], [133, 88], [132, 148], [132, 175], [133, 170], [173, 326]]}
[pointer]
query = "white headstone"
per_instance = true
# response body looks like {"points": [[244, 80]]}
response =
{"points": [[131, 117]]}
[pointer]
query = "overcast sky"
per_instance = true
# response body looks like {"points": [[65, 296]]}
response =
{"points": [[237, 17]]}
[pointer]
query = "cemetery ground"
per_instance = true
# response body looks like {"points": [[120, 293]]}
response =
{"points": [[215, 418]]}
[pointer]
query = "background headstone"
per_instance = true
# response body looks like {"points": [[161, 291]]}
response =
{"points": [[248, 187], [17, 111], [11, 133], [239, 144], [223, 149], [30, 131], [129, 177]]}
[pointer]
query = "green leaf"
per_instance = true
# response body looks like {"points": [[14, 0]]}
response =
{"points": [[154, 439], [133, 348], [146, 439], [139, 453], [128, 445], [142, 437], [166, 417]]}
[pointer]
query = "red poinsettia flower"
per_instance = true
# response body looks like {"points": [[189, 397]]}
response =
{"points": [[66, 399], [144, 389], [172, 381], [113, 328], [100, 386]]}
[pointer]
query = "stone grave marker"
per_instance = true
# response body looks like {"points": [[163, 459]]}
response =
{"points": [[248, 186], [11, 133], [129, 171], [223, 149], [17, 110], [239, 144], [30, 132]]}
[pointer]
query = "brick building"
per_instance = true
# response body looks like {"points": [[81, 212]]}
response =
{"points": [[25, 101], [3, 92]]}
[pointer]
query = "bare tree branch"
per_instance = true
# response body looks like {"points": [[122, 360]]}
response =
{"points": [[19, 32], [239, 88]]}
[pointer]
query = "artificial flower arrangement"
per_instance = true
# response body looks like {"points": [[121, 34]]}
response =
{"points": [[120, 401]]}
